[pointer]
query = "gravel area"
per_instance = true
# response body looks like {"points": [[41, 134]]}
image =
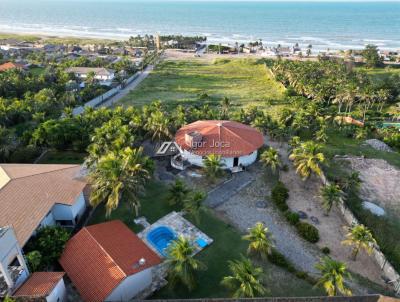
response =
{"points": [[242, 211], [378, 145]]}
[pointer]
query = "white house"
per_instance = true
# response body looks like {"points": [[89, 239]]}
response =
{"points": [[47, 285], [103, 75], [33, 196], [236, 143], [108, 262]]}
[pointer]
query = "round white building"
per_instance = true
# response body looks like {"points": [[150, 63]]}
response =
{"points": [[236, 143]]}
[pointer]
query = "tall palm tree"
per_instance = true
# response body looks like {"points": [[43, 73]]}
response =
{"points": [[119, 175], [213, 166], [181, 264], [333, 276], [177, 193], [245, 279], [331, 195], [360, 237], [192, 205], [261, 242], [307, 159], [270, 158], [158, 126]]}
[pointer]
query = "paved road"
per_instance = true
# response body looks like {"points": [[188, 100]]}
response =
{"points": [[129, 87]]}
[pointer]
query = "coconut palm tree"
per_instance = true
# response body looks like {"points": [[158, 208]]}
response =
{"points": [[351, 181], [307, 159], [225, 106], [333, 276], [331, 195], [270, 158], [360, 237], [177, 193], [119, 175], [192, 205], [245, 279], [181, 264], [213, 166], [158, 126], [261, 242]]}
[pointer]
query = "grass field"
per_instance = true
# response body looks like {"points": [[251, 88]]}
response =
{"points": [[244, 81], [227, 245]]}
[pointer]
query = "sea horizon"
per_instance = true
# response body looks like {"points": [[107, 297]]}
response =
{"points": [[323, 24]]}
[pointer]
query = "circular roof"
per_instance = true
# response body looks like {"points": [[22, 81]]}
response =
{"points": [[225, 138]]}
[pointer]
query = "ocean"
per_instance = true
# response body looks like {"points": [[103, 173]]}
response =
{"points": [[324, 25]]}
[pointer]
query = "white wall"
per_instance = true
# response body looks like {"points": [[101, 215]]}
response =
{"points": [[58, 294], [228, 161], [48, 220], [69, 212], [131, 286]]}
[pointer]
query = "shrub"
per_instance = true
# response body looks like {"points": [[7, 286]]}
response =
{"points": [[280, 260], [279, 195], [292, 217], [326, 250], [308, 232], [24, 155], [34, 259], [301, 275]]}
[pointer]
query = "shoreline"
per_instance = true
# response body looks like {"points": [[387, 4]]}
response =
{"points": [[112, 38]]}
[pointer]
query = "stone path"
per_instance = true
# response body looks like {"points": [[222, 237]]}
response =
{"points": [[226, 190]]}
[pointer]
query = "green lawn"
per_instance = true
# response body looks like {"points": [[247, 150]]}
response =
{"points": [[62, 157], [227, 245], [244, 81], [36, 71]]}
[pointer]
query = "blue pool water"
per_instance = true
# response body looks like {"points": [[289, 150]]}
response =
{"points": [[160, 238]]}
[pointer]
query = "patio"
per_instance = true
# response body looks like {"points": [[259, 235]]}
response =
{"points": [[181, 227]]}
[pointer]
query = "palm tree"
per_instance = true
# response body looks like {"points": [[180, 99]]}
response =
{"points": [[307, 158], [225, 104], [7, 144], [158, 126], [192, 205], [331, 195], [213, 166], [245, 280], [360, 237], [270, 158], [177, 193], [119, 174], [181, 264], [261, 242], [333, 275]]}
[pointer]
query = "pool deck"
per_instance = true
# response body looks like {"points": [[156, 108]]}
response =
{"points": [[181, 227]]}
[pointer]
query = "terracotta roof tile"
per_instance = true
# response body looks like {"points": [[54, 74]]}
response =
{"points": [[100, 256], [32, 190], [234, 139], [10, 65], [39, 284]]}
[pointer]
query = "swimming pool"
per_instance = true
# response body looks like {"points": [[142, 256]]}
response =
{"points": [[160, 238]]}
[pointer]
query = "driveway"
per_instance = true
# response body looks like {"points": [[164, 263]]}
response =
{"points": [[142, 75]]}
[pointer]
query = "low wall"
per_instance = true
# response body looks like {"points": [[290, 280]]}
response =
{"points": [[102, 98], [387, 269]]}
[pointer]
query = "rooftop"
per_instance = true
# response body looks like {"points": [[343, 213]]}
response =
{"points": [[85, 70], [29, 191], [39, 284], [10, 65], [100, 256], [225, 138]]}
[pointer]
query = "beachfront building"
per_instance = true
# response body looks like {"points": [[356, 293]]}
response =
{"points": [[103, 75], [33, 196], [236, 143], [108, 262]]}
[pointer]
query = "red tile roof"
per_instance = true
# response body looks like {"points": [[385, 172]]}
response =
{"points": [[39, 284], [10, 65], [100, 256], [237, 139], [29, 191]]}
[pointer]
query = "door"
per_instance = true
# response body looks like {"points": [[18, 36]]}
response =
{"points": [[236, 161]]}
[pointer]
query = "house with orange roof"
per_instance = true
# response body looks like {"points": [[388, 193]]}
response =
{"points": [[48, 286], [11, 65], [237, 144], [33, 196], [108, 262]]}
